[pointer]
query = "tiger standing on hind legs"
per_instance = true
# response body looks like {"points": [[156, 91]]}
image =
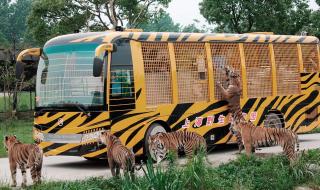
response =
{"points": [[24, 156], [252, 136], [232, 96]]}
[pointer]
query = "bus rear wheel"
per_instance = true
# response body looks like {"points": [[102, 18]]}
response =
{"points": [[273, 120], [153, 129]]}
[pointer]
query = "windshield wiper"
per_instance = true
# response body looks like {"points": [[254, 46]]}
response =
{"points": [[80, 107], [39, 112], [59, 107]]}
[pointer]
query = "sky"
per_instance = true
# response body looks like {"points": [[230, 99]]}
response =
{"points": [[185, 11]]}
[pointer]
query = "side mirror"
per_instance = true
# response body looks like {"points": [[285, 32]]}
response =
{"points": [[97, 66], [44, 75], [19, 69], [20, 65]]}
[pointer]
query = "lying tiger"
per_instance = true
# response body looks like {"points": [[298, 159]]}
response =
{"points": [[252, 136], [24, 156], [160, 144], [118, 155]]}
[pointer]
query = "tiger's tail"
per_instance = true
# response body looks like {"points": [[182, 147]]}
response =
{"points": [[297, 142], [38, 157]]}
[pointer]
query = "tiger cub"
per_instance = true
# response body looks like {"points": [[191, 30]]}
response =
{"points": [[24, 156], [160, 144], [253, 136], [118, 155]]}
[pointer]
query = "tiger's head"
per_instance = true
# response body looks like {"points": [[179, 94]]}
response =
{"points": [[105, 137], [157, 147], [9, 141], [232, 77]]}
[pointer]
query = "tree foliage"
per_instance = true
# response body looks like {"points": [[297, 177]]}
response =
{"points": [[161, 22], [241, 16], [314, 27], [13, 24], [50, 18]]}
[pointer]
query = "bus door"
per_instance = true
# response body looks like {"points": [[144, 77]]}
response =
{"points": [[121, 93]]}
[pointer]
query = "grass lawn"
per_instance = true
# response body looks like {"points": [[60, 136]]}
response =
{"points": [[22, 129], [23, 102], [316, 130], [243, 173]]}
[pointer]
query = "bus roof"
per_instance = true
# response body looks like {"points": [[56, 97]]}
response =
{"points": [[111, 36]]}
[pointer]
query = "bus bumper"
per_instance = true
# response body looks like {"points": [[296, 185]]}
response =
{"points": [[85, 145]]}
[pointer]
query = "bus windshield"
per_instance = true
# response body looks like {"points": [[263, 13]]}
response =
{"points": [[65, 79]]}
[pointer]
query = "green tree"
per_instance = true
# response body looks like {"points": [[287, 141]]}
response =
{"points": [[4, 22], [13, 21], [193, 27], [161, 22], [241, 16], [50, 18], [314, 27]]}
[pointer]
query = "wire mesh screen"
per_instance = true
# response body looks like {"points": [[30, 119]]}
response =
{"points": [[310, 57], [258, 68], [224, 54], [157, 71], [287, 65], [191, 72]]}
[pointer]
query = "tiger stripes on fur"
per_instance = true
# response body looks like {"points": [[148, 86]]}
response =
{"points": [[232, 95], [253, 136], [118, 155], [161, 143], [250, 135], [24, 156]]}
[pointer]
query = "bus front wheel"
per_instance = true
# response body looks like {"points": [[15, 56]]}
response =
{"points": [[152, 130]]}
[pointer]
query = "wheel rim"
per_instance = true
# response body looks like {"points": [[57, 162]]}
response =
{"points": [[154, 129], [157, 128], [273, 121]]}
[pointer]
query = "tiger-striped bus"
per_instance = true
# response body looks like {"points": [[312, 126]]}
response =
{"points": [[137, 84]]}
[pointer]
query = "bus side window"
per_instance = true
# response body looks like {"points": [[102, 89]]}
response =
{"points": [[310, 58], [201, 65], [224, 54]]}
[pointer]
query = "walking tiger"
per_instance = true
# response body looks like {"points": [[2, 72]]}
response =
{"points": [[190, 142], [24, 156], [118, 155]]}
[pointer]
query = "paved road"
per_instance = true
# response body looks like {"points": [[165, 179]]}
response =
{"points": [[73, 168]]}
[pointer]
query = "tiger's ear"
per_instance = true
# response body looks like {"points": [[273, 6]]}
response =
{"points": [[6, 138]]}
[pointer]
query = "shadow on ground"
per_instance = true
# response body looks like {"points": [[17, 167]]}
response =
{"points": [[83, 164]]}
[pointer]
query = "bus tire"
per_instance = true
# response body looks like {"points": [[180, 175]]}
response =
{"points": [[153, 129], [91, 159], [273, 120]]}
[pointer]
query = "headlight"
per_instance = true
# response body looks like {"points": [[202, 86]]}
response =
{"points": [[38, 136], [94, 136]]}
